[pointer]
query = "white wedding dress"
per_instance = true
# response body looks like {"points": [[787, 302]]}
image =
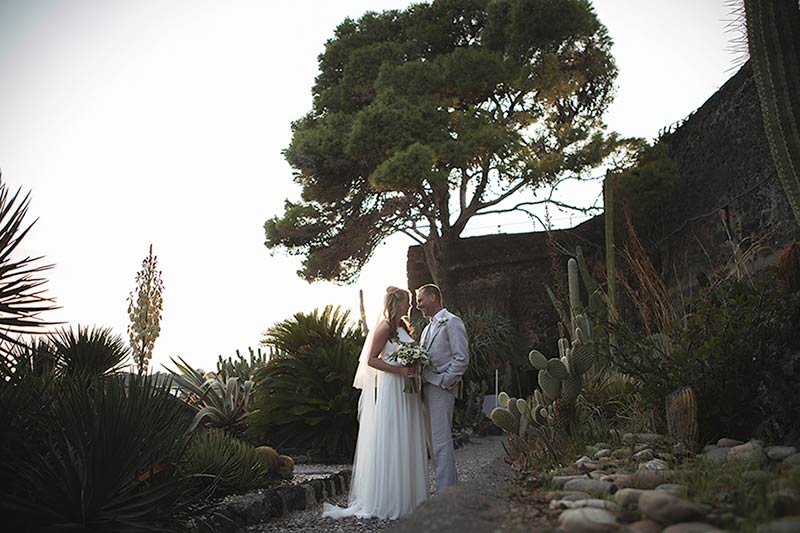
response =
{"points": [[390, 467]]}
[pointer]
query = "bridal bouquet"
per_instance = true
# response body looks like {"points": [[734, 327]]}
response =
{"points": [[412, 354]]}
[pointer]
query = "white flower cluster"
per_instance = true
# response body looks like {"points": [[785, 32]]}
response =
{"points": [[411, 354]]}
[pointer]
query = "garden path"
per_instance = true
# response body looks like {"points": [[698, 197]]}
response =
{"points": [[472, 459]]}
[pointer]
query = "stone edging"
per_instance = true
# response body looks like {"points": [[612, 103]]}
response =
{"points": [[242, 510]]}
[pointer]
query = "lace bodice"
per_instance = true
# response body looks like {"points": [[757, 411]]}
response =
{"points": [[392, 345]]}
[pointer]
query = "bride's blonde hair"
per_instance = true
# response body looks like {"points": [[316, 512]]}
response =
{"points": [[395, 306]]}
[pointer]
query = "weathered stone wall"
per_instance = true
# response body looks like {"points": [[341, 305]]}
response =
{"points": [[727, 173], [731, 194], [510, 272]]}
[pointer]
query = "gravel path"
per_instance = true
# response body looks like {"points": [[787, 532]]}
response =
{"points": [[470, 459]]}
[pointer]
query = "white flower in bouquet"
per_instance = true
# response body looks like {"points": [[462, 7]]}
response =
{"points": [[412, 354]]}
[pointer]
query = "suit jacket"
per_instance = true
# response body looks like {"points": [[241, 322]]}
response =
{"points": [[446, 343]]}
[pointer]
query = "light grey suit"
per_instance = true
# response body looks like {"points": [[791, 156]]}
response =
{"points": [[445, 338]]}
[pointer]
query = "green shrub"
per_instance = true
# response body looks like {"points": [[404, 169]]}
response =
{"points": [[223, 464], [88, 352], [107, 461], [732, 346], [241, 367], [304, 395]]}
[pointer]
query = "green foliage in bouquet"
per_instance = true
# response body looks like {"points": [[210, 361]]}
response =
{"points": [[304, 394]]}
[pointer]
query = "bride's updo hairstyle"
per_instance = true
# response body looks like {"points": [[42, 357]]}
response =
{"points": [[395, 306]]}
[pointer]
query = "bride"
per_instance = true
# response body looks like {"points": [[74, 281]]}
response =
{"points": [[390, 471]]}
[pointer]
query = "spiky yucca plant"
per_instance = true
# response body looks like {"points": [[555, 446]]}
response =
{"points": [[109, 463], [22, 297], [88, 352]]}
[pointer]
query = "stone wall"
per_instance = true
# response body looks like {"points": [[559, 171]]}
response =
{"points": [[727, 174], [510, 272]]}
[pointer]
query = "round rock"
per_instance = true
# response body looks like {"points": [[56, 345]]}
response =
{"points": [[645, 526], [793, 459], [595, 487], [666, 508], [716, 455], [728, 443], [588, 520], [749, 452], [690, 527], [779, 453], [628, 497], [674, 488]]}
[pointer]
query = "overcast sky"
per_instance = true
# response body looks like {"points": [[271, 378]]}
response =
{"points": [[163, 122]]}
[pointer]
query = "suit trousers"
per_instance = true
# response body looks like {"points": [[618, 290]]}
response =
{"points": [[440, 405]]}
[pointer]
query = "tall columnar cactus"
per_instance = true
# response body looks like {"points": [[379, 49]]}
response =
{"points": [[773, 39], [608, 219]]}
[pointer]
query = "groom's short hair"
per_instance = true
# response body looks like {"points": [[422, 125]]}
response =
{"points": [[430, 288]]}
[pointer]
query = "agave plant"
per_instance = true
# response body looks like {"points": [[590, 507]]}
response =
{"points": [[220, 403], [109, 460]]}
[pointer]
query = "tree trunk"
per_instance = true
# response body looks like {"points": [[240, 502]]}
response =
{"points": [[439, 257]]}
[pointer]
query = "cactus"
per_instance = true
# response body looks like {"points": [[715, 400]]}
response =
{"points": [[502, 399], [268, 456], [506, 421], [556, 368], [560, 378], [549, 385], [681, 408], [285, 467], [773, 28], [537, 359]]}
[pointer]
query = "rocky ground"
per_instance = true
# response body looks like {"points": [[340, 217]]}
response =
{"points": [[470, 459], [643, 487]]}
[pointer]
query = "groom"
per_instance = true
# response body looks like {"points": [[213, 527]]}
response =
{"points": [[446, 341]]}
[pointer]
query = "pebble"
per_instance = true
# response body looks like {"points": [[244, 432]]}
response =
{"points": [[749, 452], [644, 526], [666, 508], [793, 459], [789, 524], [690, 527], [560, 481], [674, 488], [650, 479], [605, 452], [626, 497], [595, 487], [588, 520], [728, 443], [716, 455], [620, 480], [779, 453], [654, 464], [644, 455]]}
